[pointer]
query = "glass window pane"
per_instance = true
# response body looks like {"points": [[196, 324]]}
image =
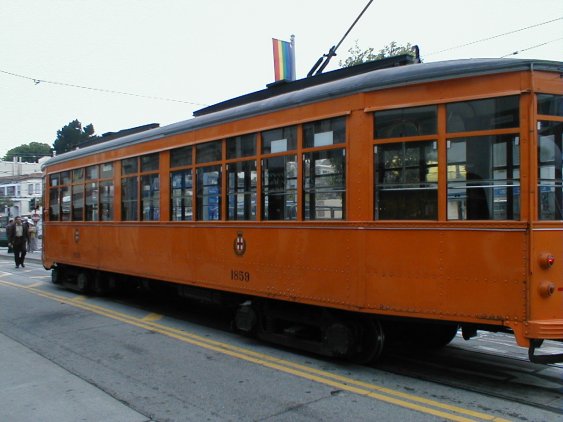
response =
{"points": [[149, 162], [150, 200], [412, 121], [488, 114], [484, 178], [324, 132], [279, 188], [129, 166], [91, 173], [78, 175], [78, 203], [181, 188], [54, 179], [550, 170], [241, 146], [129, 198], [106, 200], [106, 171], [241, 188], [324, 185], [279, 140], [406, 186], [54, 208], [65, 203], [92, 201], [181, 157], [209, 193], [551, 105], [65, 178], [209, 152]]}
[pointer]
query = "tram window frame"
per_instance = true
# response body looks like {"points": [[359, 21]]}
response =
{"points": [[283, 139], [241, 146], [550, 104], [207, 191], [483, 181], [242, 197], [550, 170], [405, 190], [279, 187], [325, 132], [324, 190], [140, 189], [181, 184], [405, 122], [483, 114], [54, 197]]}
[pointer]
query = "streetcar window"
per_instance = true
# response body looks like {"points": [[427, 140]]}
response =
{"points": [[209, 193], [241, 190], [150, 199], [149, 162], [129, 165], [129, 198], [402, 122], [78, 202], [181, 157], [324, 132], [65, 203], [241, 146], [279, 140], [550, 105], [484, 178], [406, 186], [78, 175], [91, 173], [54, 179], [181, 184], [324, 185], [488, 114], [106, 171], [65, 178], [279, 188], [209, 152], [91, 201], [106, 200], [550, 170], [54, 204]]}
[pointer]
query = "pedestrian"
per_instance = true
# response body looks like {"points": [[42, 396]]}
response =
{"points": [[32, 232], [17, 237]]}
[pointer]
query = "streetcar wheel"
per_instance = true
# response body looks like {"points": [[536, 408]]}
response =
{"points": [[370, 341], [57, 276], [82, 282]]}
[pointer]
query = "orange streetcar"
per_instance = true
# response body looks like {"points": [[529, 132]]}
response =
{"points": [[390, 201]]}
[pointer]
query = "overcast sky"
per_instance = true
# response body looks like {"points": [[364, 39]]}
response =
{"points": [[204, 52]]}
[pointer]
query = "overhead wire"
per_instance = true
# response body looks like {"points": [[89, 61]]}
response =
{"points": [[494, 36], [530, 48], [37, 81]]}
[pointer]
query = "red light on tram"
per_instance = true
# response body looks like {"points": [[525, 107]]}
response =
{"points": [[547, 260]]}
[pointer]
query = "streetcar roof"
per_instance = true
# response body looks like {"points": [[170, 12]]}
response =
{"points": [[323, 88]]}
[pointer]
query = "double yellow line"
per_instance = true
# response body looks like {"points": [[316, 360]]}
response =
{"points": [[398, 398]]}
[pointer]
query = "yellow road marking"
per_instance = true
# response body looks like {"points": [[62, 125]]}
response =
{"points": [[388, 395], [152, 317], [31, 286]]}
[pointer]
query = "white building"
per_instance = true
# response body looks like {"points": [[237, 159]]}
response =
{"points": [[21, 189]]}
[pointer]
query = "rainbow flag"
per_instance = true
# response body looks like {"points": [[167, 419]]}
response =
{"points": [[284, 60]]}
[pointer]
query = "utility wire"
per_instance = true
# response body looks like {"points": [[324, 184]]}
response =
{"points": [[494, 36], [530, 48], [37, 81]]}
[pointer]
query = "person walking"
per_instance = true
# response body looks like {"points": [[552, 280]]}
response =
{"points": [[32, 241], [17, 238]]}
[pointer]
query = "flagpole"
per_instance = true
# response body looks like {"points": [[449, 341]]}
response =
{"points": [[292, 41]]}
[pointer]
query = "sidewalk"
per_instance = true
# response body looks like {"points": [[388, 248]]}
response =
{"points": [[29, 257]]}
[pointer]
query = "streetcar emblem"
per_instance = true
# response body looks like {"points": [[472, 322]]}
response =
{"points": [[239, 245]]}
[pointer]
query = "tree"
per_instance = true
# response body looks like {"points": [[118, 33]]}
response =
{"points": [[72, 135], [358, 56], [30, 153]]}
